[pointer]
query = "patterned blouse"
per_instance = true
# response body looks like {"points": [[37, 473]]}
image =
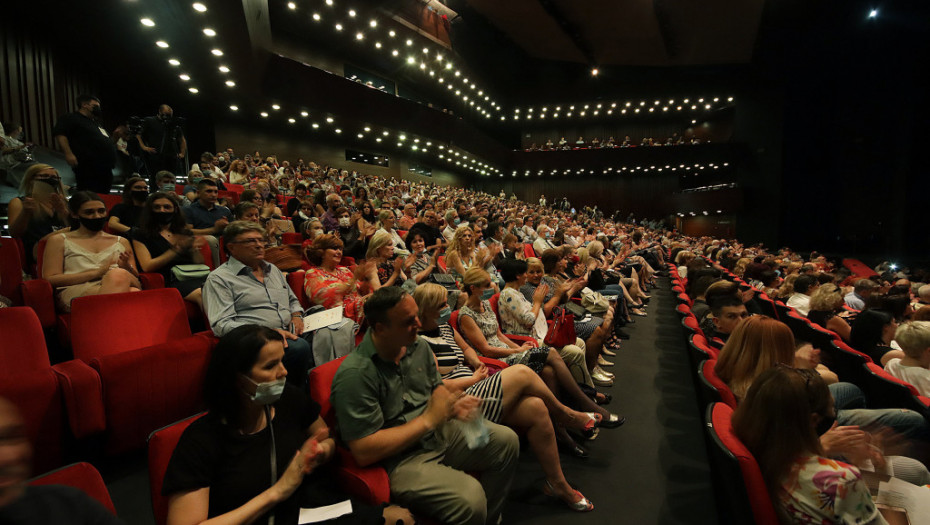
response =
{"points": [[516, 313], [325, 288], [821, 490]]}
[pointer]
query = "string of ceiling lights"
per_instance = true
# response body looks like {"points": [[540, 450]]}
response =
{"points": [[688, 168], [628, 107]]}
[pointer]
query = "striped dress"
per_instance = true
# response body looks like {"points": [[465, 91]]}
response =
{"points": [[451, 359]]}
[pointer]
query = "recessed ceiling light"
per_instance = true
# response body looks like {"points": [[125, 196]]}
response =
{"points": [[391, 33], [338, 27], [329, 2], [275, 107], [174, 62], [200, 8], [193, 90], [329, 120], [230, 83], [409, 42], [378, 45], [162, 44], [185, 77], [594, 72], [224, 69], [264, 114], [291, 5], [315, 125], [359, 36], [373, 23], [316, 16], [304, 114], [338, 130], [234, 108], [352, 12], [217, 52], [209, 32], [292, 120], [147, 22]]}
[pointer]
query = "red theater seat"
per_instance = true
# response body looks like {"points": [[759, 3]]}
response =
{"points": [[493, 365], [110, 200], [82, 476], [29, 382], [742, 496], [292, 238], [161, 445], [145, 318], [713, 381], [296, 281]]}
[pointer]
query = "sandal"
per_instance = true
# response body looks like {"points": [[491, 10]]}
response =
{"points": [[580, 505]]}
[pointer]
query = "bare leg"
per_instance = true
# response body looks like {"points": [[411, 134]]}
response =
{"points": [[116, 280], [520, 381], [570, 387], [196, 297]]}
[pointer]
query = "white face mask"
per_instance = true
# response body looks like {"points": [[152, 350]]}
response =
{"points": [[344, 222], [317, 233], [268, 392]]}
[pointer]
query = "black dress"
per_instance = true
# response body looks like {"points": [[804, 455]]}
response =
{"points": [[237, 467], [158, 245]]}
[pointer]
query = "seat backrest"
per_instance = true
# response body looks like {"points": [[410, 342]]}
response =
{"points": [[528, 250], [321, 383], [110, 200], [845, 361], [684, 299], [291, 238], [700, 350], [886, 391], [495, 299], [707, 391], [145, 318], [82, 476], [238, 188], [23, 348], [11, 271], [441, 260], [710, 375], [742, 495], [296, 281], [162, 443]]}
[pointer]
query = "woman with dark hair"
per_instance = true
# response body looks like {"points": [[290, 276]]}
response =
{"points": [[162, 241], [423, 261], [872, 333], [221, 467], [87, 260], [780, 422], [367, 224], [125, 215]]}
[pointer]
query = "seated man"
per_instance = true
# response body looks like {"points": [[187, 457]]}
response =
{"points": [[392, 407], [862, 289], [24, 504], [205, 217], [726, 311], [248, 290], [804, 286]]}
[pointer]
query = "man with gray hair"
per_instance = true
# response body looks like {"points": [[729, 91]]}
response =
{"points": [[862, 289], [248, 290]]}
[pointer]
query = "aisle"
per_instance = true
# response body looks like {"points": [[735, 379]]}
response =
{"points": [[654, 468]]}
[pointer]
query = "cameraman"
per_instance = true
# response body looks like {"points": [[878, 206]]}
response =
{"points": [[162, 142]]}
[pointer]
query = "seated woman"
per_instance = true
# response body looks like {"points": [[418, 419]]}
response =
{"points": [[304, 213], [162, 241], [827, 310], [87, 261], [385, 269], [367, 224], [872, 333], [125, 215], [804, 484], [238, 172], [328, 284], [386, 220], [220, 468], [760, 343], [424, 260], [611, 274], [356, 242], [190, 189], [40, 211], [478, 325], [269, 204], [515, 396], [462, 254], [519, 316]]}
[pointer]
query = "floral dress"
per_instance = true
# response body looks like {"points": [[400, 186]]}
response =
{"points": [[821, 490], [534, 358], [324, 287]]}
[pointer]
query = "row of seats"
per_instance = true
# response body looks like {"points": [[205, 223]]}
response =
{"points": [[742, 496]]}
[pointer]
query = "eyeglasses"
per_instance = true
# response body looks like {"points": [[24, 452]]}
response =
{"points": [[251, 242]]}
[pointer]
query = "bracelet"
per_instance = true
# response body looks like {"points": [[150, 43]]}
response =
{"points": [[295, 315]]}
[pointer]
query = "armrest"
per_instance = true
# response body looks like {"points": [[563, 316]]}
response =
{"points": [[38, 295], [151, 280], [520, 339], [494, 365], [83, 393], [368, 483]]}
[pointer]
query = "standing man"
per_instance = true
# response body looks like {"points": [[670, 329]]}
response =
{"points": [[87, 146], [163, 142], [393, 408]]}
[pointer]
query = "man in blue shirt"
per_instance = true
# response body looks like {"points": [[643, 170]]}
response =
{"points": [[207, 218], [247, 290]]}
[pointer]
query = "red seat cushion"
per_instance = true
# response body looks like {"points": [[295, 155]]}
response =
{"points": [[11, 271], [81, 476], [145, 318], [296, 281], [162, 443]]}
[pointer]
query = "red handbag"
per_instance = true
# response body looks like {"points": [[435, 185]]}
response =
{"points": [[561, 329]]}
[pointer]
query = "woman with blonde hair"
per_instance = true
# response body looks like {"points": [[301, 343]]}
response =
{"points": [[41, 209], [827, 310], [386, 220], [385, 269], [515, 396], [462, 254]]}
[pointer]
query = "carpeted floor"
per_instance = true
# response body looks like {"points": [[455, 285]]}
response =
{"points": [[652, 470]]}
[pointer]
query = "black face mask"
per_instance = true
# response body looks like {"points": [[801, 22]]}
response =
{"points": [[94, 225], [165, 116], [139, 195], [825, 423], [163, 217], [95, 110], [51, 182]]}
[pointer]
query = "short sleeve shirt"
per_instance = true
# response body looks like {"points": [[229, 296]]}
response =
{"points": [[370, 394], [200, 217], [88, 140]]}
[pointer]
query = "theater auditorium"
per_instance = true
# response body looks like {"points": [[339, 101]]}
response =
{"points": [[464, 261]]}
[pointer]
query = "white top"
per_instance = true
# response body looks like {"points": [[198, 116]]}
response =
{"points": [[78, 259], [915, 375], [800, 302]]}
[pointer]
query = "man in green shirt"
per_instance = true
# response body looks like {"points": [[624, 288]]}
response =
{"points": [[392, 407]]}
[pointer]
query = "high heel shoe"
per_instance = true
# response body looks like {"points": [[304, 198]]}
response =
{"points": [[612, 421], [581, 505], [606, 399], [573, 449], [608, 352], [603, 362]]}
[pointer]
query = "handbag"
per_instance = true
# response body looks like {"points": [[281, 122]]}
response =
{"points": [[189, 272], [561, 329], [593, 301]]}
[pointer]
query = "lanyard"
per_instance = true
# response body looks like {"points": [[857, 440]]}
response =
{"points": [[274, 458]]}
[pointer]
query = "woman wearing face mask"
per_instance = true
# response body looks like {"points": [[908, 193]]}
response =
{"points": [[347, 231], [41, 210], [125, 215], [303, 214], [515, 396], [222, 467], [313, 228], [162, 241], [478, 325], [85, 260]]}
